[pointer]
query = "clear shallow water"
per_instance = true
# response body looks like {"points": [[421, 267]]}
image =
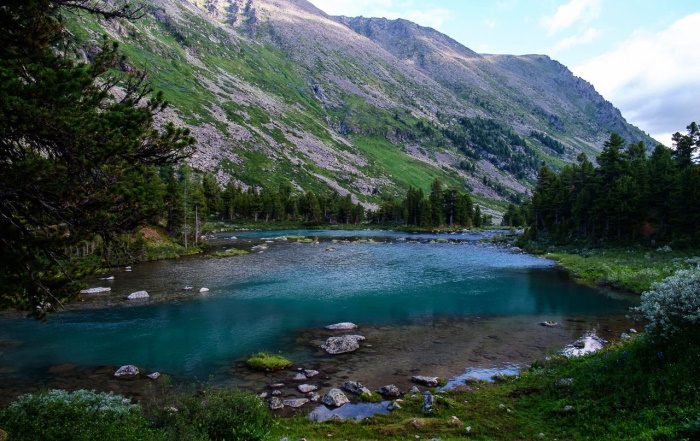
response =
{"points": [[270, 301]]}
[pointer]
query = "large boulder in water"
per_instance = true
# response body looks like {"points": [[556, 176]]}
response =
{"points": [[344, 343], [335, 397]]}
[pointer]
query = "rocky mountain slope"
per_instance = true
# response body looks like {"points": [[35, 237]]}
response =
{"points": [[277, 91]]}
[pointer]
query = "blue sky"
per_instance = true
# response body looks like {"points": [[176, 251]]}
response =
{"points": [[642, 55]]}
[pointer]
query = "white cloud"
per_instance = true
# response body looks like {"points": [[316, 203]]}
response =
{"points": [[433, 18], [352, 8], [653, 78], [391, 9], [570, 13], [588, 36], [489, 23]]}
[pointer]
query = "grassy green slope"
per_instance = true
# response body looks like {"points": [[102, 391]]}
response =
{"points": [[258, 120]]}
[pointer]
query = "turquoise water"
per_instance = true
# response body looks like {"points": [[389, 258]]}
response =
{"points": [[264, 300]]}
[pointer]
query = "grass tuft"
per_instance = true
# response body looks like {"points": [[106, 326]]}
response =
{"points": [[263, 361]]}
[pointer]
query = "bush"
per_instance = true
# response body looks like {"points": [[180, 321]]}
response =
{"points": [[673, 303], [209, 414], [82, 415]]}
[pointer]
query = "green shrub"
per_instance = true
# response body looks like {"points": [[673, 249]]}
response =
{"points": [[673, 303], [263, 361], [204, 414], [82, 415], [371, 397]]}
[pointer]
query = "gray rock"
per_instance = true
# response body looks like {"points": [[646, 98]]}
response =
{"points": [[276, 403], [342, 344], [428, 381], [154, 375], [313, 397], [299, 377], [276, 385], [203, 289], [107, 278], [306, 388], [568, 408], [264, 395], [344, 326], [389, 390], [356, 387], [414, 390], [277, 392], [335, 397], [310, 373], [138, 295], [127, 371], [393, 406], [98, 290], [295, 402]]}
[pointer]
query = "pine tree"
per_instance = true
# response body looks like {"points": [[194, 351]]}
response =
{"points": [[437, 217], [75, 161]]}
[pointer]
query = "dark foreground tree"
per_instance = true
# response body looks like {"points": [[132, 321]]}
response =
{"points": [[78, 149]]}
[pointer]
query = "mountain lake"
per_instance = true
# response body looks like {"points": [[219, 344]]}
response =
{"points": [[445, 305]]}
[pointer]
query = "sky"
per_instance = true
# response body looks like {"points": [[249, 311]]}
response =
{"points": [[641, 55]]}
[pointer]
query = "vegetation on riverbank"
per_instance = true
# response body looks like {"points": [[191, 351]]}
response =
{"points": [[229, 253], [629, 268]]}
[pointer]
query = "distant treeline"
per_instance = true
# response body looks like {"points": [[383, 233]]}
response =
{"points": [[629, 195], [190, 198]]}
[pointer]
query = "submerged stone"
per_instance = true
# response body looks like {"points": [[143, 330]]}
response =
{"points": [[138, 295], [344, 326], [342, 344], [305, 388], [295, 402], [97, 290], [127, 371], [428, 381]]}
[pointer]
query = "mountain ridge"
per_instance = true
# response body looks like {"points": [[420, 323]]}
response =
{"points": [[278, 91]]}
